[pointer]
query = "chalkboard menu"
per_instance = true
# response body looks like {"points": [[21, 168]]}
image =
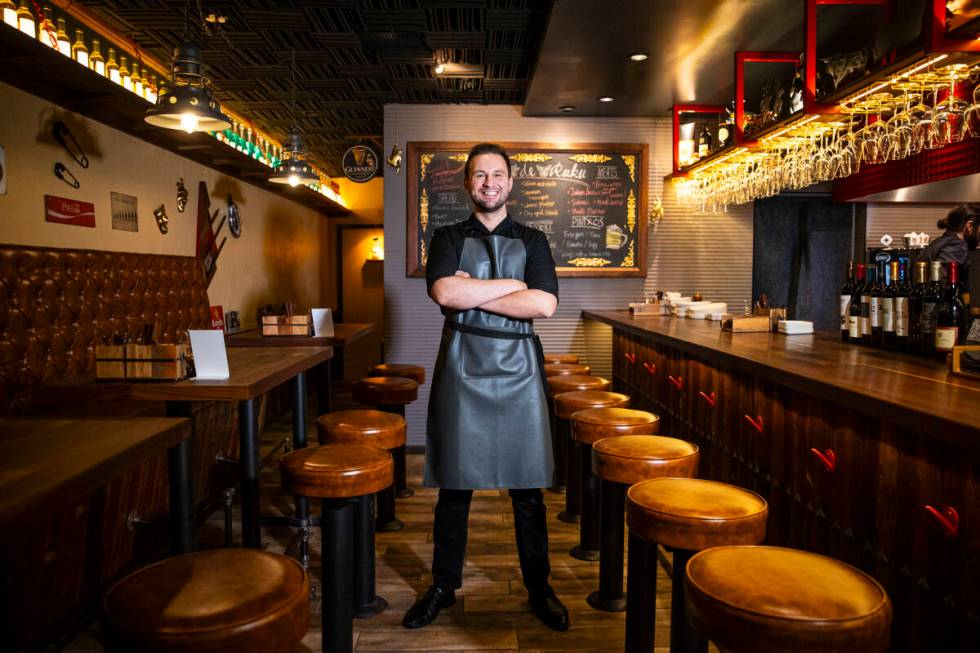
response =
{"points": [[589, 199]]}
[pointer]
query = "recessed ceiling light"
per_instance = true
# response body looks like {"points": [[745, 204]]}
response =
{"points": [[639, 56], [606, 98], [439, 68], [566, 108]]}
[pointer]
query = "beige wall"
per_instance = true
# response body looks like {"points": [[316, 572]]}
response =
{"points": [[282, 253], [366, 203]]}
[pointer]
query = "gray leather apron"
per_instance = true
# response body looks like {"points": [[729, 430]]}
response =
{"points": [[488, 418]]}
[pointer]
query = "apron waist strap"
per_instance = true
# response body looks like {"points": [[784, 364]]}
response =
{"points": [[489, 333]]}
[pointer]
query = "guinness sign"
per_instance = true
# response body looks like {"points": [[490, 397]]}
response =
{"points": [[360, 163]]}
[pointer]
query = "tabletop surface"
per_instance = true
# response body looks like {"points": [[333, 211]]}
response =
{"points": [[343, 335], [45, 461]]}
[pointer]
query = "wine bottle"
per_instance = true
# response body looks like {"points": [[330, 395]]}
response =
{"points": [[125, 76], [915, 307], [704, 142], [9, 12], [45, 29], [855, 319], [61, 37], [846, 290], [96, 62], [25, 19], [887, 306], [950, 315], [79, 51], [901, 307], [874, 305], [931, 297], [112, 68]]}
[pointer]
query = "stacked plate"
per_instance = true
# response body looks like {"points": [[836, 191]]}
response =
{"points": [[795, 327]]}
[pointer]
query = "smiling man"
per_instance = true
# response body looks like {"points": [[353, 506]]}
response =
{"points": [[488, 421]]}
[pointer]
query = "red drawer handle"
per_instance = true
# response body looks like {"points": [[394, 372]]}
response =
{"points": [[631, 358], [711, 399], [948, 519], [827, 457], [652, 369], [755, 422], [678, 381]]}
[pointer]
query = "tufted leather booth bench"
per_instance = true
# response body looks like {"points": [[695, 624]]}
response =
{"points": [[55, 306]]}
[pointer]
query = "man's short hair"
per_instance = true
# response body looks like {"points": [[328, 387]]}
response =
{"points": [[486, 148]]}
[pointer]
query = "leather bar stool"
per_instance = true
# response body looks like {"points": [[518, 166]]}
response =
{"points": [[390, 394], [570, 403], [564, 369], [686, 515], [767, 599], [560, 358], [561, 437], [413, 372], [343, 477], [619, 462], [588, 426], [210, 602], [387, 431]]}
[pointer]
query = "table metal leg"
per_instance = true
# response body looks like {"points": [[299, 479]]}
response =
{"points": [[324, 399], [302, 514], [337, 575], [248, 427], [182, 535]]}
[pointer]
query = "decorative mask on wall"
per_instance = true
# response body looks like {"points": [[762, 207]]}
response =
{"points": [[394, 159], [234, 218], [182, 196], [162, 220]]}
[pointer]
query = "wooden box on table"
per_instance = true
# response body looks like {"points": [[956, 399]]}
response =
{"points": [[287, 325], [151, 362]]}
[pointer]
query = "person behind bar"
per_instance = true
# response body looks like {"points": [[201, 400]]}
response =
{"points": [[488, 425], [959, 238]]}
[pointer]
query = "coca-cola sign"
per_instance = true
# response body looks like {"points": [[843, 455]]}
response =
{"points": [[66, 211]]}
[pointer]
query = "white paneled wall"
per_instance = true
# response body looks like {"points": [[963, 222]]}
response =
{"points": [[688, 250], [899, 218]]}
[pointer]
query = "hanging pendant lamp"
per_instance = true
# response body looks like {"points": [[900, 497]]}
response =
{"points": [[188, 104], [294, 170]]}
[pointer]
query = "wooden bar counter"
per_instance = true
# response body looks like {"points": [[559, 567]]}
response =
{"points": [[848, 444]]}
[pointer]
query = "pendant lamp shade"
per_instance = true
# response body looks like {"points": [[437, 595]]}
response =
{"points": [[294, 170], [188, 104]]}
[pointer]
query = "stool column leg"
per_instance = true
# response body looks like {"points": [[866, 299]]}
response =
{"points": [[560, 448], [588, 546], [386, 521], [683, 636], [366, 602], [612, 498], [337, 574], [641, 595], [402, 491], [573, 489]]}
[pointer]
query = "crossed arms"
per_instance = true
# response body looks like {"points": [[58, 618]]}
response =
{"points": [[509, 297]]}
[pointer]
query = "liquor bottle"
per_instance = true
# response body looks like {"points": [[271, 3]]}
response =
{"points": [[45, 30], [25, 19], [112, 68], [874, 305], [79, 51], [61, 36], [9, 12], [916, 294], [96, 62], [854, 318], [846, 290], [137, 81], [901, 307], [151, 89], [950, 315], [887, 306], [931, 297], [704, 142], [125, 77]]}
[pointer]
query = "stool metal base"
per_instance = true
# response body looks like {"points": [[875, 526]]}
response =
{"points": [[607, 604], [389, 527], [367, 611], [579, 553], [405, 493], [560, 489], [567, 518]]}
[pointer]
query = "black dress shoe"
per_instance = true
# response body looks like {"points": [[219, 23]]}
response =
{"points": [[549, 609], [427, 608]]}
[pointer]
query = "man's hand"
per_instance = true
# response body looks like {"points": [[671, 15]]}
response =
{"points": [[462, 273]]}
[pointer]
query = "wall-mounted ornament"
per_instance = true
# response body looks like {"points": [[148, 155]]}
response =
{"points": [[66, 211], [64, 174], [182, 196], [656, 211], [394, 159], [360, 163], [162, 220], [124, 212], [3, 170], [68, 141], [234, 218]]}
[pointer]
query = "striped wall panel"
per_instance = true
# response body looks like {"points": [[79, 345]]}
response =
{"points": [[688, 250], [899, 218]]}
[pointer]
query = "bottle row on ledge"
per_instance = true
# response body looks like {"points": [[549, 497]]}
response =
{"points": [[898, 307]]}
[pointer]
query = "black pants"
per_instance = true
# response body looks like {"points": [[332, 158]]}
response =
{"points": [[449, 534]]}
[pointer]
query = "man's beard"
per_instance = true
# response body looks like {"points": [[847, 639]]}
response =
{"points": [[489, 207]]}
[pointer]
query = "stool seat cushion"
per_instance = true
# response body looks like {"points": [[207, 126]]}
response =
{"points": [[560, 358], [564, 369], [770, 599], [695, 514], [337, 471], [385, 430], [629, 459], [569, 403], [213, 601], [414, 372], [593, 424], [573, 382], [385, 390]]}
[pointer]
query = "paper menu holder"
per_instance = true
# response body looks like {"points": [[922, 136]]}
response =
{"points": [[322, 322], [210, 356]]}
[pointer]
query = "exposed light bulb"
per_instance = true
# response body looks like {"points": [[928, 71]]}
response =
{"points": [[639, 56], [188, 122], [294, 180], [439, 68]]}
